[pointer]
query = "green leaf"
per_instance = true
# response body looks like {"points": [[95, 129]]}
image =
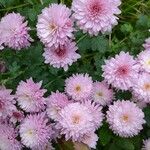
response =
{"points": [[147, 115], [126, 28], [105, 134], [100, 43]]}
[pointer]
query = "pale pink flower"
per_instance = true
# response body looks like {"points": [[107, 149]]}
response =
{"points": [[96, 111], [141, 87], [6, 102], [75, 121], [16, 116], [94, 16], [90, 140], [35, 132], [121, 71], [8, 137], [54, 25], [55, 102], [79, 86], [146, 45], [146, 145], [30, 96], [102, 94], [14, 31], [125, 118], [144, 60], [62, 56]]}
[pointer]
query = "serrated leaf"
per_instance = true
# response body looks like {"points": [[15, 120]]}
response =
{"points": [[100, 44]]}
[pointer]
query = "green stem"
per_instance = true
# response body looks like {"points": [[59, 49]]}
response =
{"points": [[81, 38], [14, 7], [41, 1], [62, 1]]}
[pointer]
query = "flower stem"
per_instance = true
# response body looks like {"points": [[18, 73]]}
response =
{"points": [[14, 7], [81, 38], [41, 1], [62, 1]]}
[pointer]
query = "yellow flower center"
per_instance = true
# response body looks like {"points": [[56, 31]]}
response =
{"points": [[148, 62], [30, 132], [147, 86], [125, 118], [100, 94], [76, 119], [78, 88]]}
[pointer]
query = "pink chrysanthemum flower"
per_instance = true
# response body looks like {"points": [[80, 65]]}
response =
{"points": [[30, 96], [125, 118], [16, 116], [90, 140], [146, 145], [121, 71], [79, 86], [144, 60], [141, 87], [146, 45], [102, 94], [35, 132], [54, 26], [6, 102], [96, 111], [14, 31], [94, 16], [62, 56], [8, 139], [75, 121], [55, 102]]}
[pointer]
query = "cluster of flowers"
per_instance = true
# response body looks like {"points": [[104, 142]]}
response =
{"points": [[56, 25], [75, 114]]}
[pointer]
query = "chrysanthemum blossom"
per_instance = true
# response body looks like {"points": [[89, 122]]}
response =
{"points": [[146, 45], [35, 132], [55, 102], [8, 139], [30, 96], [125, 118], [144, 60], [6, 102], [90, 140], [102, 94], [141, 87], [14, 31], [54, 25], [79, 86], [121, 71], [96, 111], [94, 16], [146, 145], [16, 116], [62, 56], [75, 121]]}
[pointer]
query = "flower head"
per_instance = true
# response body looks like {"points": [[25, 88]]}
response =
{"points": [[146, 145], [6, 102], [96, 111], [30, 96], [54, 26], [144, 60], [14, 31], [146, 45], [62, 56], [125, 118], [35, 132], [55, 102], [8, 139], [94, 16], [79, 86], [75, 121], [90, 140], [102, 94], [141, 87], [121, 71]]}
